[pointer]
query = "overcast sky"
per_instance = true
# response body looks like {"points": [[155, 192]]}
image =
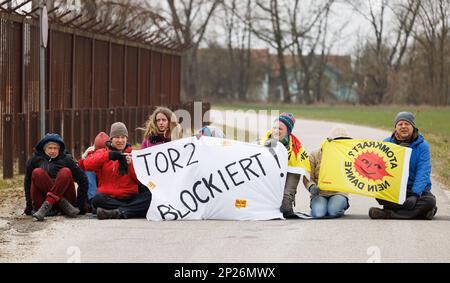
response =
{"points": [[347, 29]]}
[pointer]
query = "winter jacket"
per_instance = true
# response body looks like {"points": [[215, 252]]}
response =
{"points": [[419, 179], [315, 158], [110, 182], [154, 140], [52, 167]]}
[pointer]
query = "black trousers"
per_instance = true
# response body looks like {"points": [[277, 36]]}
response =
{"points": [[135, 207], [425, 204]]}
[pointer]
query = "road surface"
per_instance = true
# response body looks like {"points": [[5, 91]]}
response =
{"points": [[354, 238]]}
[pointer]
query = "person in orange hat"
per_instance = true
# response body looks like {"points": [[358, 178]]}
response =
{"points": [[99, 143]]}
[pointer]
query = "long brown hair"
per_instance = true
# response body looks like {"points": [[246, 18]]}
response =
{"points": [[150, 126]]}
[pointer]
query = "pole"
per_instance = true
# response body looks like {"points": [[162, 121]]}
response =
{"points": [[41, 71]]}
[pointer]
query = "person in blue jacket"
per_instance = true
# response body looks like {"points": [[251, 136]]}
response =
{"points": [[420, 202]]}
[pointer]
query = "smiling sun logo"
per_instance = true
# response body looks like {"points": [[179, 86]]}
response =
{"points": [[371, 166]]}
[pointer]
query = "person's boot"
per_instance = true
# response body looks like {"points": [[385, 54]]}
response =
{"points": [[287, 207], [378, 213], [68, 209], [290, 190], [430, 215], [103, 214], [42, 212]]}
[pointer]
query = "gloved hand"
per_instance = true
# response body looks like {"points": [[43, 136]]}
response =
{"points": [[314, 190], [271, 143], [410, 202]]}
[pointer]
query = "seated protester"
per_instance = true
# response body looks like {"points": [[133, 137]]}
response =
{"points": [[159, 127], [49, 181], [99, 143], [118, 194], [326, 204], [282, 132], [420, 202]]}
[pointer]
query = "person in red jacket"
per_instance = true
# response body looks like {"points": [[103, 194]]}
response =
{"points": [[118, 195]]}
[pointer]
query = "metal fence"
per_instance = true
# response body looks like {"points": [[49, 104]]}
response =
{"points": [[92, 81]]}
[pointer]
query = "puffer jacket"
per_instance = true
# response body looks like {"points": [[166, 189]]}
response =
{"points": [[52, 167], [110, 182]]}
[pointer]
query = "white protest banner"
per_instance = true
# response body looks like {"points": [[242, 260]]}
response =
{"points": [[210, 178]]}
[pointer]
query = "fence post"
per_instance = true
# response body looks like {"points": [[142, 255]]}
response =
{"points": [[57, 121], [8, 144], [22, 141], [86, 123], [67, 129], [77, 130], [33, 127]]}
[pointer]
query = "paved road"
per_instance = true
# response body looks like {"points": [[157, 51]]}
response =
{"points": [[354, 238]]}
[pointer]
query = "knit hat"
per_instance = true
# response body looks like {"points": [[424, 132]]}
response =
{"points": [[289, 120], [118, 129], [339, 132], [405, 116], [100, 140]]}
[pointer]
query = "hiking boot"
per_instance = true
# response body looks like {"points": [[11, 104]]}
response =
{"points": [[42, 212], [430, 214], [287, 206], [377, 213], [103, 214], [68, 209]]}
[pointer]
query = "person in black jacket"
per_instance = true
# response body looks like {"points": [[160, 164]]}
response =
{"points": [[49, 180]]}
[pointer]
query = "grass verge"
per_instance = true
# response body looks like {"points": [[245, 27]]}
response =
{"points": [[433, 122]]}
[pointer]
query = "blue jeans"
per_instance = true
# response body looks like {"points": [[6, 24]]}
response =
{"points": [[329, 207], [92, 181]]}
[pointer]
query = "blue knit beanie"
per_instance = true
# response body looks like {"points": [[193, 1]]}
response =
{"points": [[288, 119]]}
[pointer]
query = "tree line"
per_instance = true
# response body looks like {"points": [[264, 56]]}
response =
{"points": [[403, 58]]}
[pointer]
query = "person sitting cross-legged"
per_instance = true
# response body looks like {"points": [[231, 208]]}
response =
{"points": [[420, 202], [325, 204], [49, 181], [118, 195]]}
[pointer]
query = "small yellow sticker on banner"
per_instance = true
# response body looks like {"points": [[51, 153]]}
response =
{"points": [[151, 185], [241, 203]]}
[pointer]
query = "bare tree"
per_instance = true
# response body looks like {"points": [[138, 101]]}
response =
{"points": [[307, 34], [192, 17], [239, 44], [385, 54], [433, 36], [270, 25]]}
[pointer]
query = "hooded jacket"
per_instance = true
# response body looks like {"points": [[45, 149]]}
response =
{"points": [[52, 167], [419, 179]]}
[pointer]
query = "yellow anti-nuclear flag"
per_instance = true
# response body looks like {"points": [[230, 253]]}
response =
{"points": [[369, 168]]}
